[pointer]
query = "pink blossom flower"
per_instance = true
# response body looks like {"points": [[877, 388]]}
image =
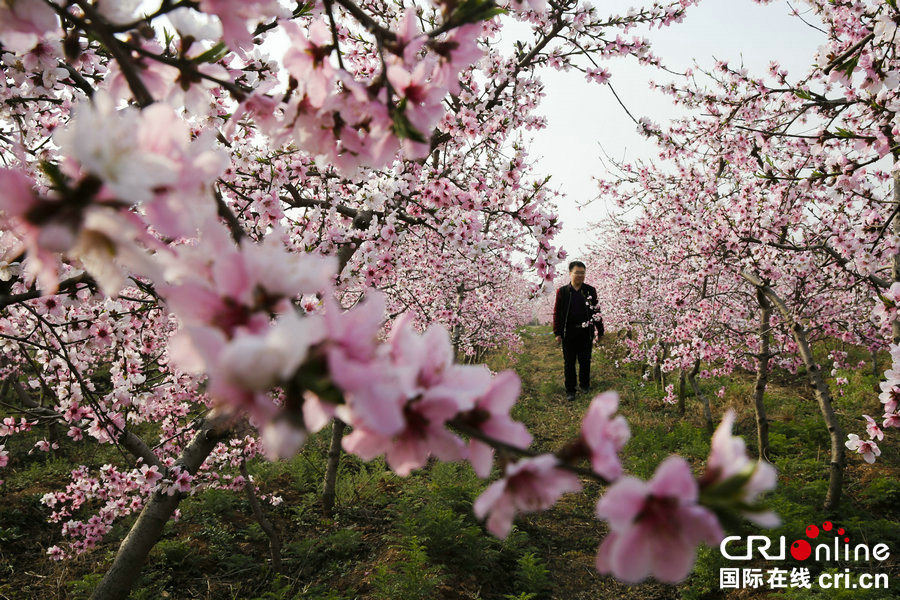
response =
{"points": [[891, 420], [235, 16], [670, 397], [281, 439], [604, 435], [655, 526], [491, 415], [4, 456], [374, 392], [890, 395], [409, 36], [23, 22], [873, 429], [867, 448], [120, 146], [535, 5], [423, 434], [181, 482], [600, 75], [149, 475], [257, 362], [528, 485], [307, 60], [728, 458], [458, 50]]}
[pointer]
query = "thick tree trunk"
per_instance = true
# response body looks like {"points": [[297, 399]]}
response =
{"points": [[822, 393], [331, 469], [762, 374], [704, 400], [146, 530], [266, 525]]}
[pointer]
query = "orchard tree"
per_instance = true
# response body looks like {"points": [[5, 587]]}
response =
{"points": [[777, 185]]}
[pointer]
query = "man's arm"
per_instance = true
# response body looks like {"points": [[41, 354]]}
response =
{"points": [[595, 317], [557, 317]]}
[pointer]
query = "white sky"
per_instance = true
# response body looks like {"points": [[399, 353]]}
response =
{"points": [[584, 120]]}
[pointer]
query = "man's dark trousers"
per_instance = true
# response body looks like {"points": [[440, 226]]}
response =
{"points": [[577, 346]]}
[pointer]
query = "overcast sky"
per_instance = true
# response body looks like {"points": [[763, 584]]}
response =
{"points": [[585, 120]]}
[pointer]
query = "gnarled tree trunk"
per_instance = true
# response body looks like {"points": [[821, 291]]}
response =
{"points": [[264, 523], [146, 530], [331, 469], [820, 389]]}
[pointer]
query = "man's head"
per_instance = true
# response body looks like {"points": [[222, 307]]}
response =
{"points": [[576, 273]]}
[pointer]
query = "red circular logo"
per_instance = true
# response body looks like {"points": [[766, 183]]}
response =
{"points": [[826, 525], [801, 550], [812, 531]]}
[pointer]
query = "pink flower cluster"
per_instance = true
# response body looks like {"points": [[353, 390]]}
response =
{"points": [[890, 398], [359, 119], [656, 526]]}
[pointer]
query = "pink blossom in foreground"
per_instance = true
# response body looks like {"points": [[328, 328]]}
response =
{"points": [[4, 456], [22, 22], [873, 429], [604, 435], [728, 458], [281, 439], [890, 395], [655, 526], [891, 420], [529, 485], [491, 416], [424, 434], [236, 15], [867, 448]]}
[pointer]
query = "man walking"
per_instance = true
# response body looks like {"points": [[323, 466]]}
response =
{"points": [[575, 314]]}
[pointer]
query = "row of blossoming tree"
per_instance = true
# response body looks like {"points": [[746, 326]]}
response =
{"points": [[770, 223], [213, 210]]}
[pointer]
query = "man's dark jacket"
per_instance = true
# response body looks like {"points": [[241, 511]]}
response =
{"points": [[564, 303]]}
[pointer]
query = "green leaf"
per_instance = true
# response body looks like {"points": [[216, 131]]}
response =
{"points": [[848, 67], [402, 128], [844, 133], [214, 54], [473, 11], [304, 9], [52, 171], [729, 491], [803, 94]]}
